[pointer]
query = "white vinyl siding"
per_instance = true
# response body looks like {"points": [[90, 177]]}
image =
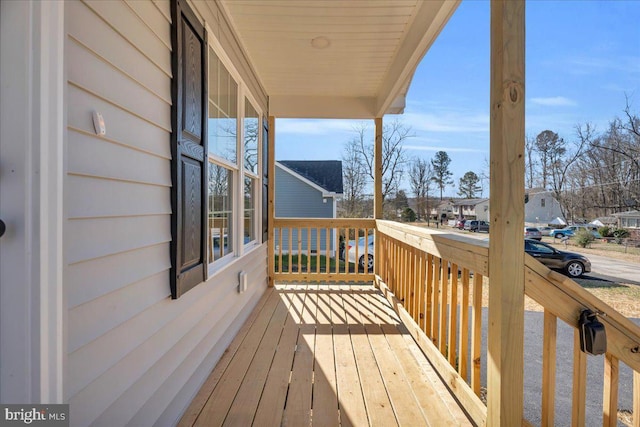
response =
{"points": [[134, 356]]}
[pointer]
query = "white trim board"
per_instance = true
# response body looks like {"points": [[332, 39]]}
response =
{"points": [[32, 303]]}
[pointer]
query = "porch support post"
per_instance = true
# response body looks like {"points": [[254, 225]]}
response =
{"points": [[377, 189], [271, 206], [506, 247]]}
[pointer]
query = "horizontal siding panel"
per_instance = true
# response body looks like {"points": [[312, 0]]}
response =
{"points": [[91, 320], [159, 407], [92, 279], [93, 198], [93, 156], [93, 238], [122, 127], [173, 411], [106, 368], [297, 199], [125, 22], [153, 18], [86, 70], [164, 7], [163, 380], [95, 34]]}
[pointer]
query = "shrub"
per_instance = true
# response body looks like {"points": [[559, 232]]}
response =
{"points": [[605, 231], [408, 215], [584, 238], [619, 234]]}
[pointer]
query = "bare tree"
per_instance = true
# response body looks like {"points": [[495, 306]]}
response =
{"points": [[354, 176], [559, 160], [529, 161], [393, 156], [420, 179], [600, 173]]}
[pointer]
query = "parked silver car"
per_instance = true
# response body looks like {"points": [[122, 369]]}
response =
{"points": [[365, 248], [476, 226], [532, 233]]}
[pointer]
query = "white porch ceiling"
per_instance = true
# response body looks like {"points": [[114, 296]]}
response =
{"points": [[372, 50]]}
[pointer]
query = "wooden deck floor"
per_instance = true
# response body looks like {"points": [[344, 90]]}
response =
{"points": [[325, 355]]}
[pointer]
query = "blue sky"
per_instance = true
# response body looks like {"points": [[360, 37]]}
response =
{"points": [[581, 59]]}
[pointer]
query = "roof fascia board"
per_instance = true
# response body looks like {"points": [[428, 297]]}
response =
{"points": [[324, 191], [321, 107], [414, 46]]}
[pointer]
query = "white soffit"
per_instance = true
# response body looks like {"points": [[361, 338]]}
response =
{"points": [[336, 58]]}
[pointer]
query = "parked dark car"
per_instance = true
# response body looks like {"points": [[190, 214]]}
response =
{"points": [[572, 264], [476, 226]]}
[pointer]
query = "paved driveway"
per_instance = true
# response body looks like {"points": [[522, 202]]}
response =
{"points": [[611, 269], [533, 322]]}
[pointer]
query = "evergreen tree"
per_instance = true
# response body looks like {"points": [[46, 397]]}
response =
{"points": [[468, 186], [441, 173]]}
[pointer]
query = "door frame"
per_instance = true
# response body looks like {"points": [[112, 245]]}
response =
{"points": [[32, 174]]}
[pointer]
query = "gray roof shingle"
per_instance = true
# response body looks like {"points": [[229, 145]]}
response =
{"points": [[324, 173]]}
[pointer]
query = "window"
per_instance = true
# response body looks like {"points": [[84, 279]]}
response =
{"points": [[223, 147], [223, 111], [542, 203], [250, 190], [220, 211], [234, 160], [251, 130]]}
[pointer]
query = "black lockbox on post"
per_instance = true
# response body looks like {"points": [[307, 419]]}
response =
{"points": [[593, 337]]}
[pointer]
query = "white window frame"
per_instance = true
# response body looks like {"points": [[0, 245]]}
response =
{"points": [[239, 171], [257, 209]]}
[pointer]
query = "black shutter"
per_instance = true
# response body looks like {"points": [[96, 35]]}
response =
{"points": [[188, 150], [265, 179]]}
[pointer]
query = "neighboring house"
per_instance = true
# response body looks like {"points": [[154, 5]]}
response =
{"points": [[629, 219], [605, 221], [540, 207], [467, 208], [462, 208], [443, 210], [307, 189], [482, 210]]}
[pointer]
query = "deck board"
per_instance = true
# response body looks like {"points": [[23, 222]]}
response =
{"points": [[326, 355]]}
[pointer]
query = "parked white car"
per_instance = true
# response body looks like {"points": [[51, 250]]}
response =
{"points": [[365, 250]]}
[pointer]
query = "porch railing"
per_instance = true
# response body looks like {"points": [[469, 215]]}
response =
{"points": [[305, 249], [435, 281]]}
